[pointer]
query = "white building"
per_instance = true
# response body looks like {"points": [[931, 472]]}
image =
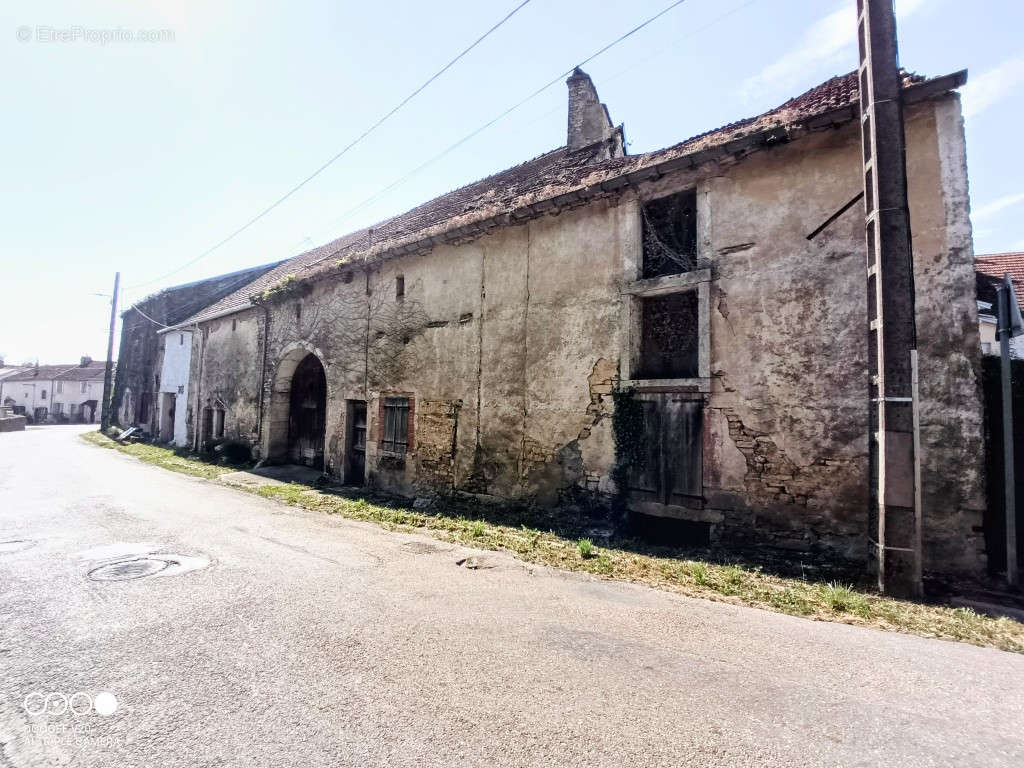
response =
{"points": [[56, 393], [172, 424], [78, 394]]}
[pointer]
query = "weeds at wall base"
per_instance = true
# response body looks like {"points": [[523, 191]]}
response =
{"points": [[534, 536]]}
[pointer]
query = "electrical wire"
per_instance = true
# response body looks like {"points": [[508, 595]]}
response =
{"points": [[345, 150], [377, 195], [482, 128]]}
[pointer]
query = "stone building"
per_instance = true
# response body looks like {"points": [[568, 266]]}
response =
{"points": [[683, 329], [139, 359]]}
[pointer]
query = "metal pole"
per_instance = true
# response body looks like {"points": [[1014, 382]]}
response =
{"points": [[108, 374], [1009, 491]]}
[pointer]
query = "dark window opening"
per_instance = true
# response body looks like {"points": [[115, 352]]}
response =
{"points": [[234, 325], [670, 235], [668, 336], [218, 423], [396, 425], [298, 311], [43, 396], [181, 339], [400, 287], [346, 277], [207, 430]]}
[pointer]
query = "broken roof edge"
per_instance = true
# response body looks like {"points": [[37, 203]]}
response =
{"points": [[830, 103], [604, 181]]}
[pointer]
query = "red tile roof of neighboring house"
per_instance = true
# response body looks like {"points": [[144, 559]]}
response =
{"points": [[549, 176], [92, 372], [66, 372], [998, 264]]}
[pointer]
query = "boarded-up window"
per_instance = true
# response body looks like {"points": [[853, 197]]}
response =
{"points": [[670, 234], [671, 472], [396, 425], [669, 336]]}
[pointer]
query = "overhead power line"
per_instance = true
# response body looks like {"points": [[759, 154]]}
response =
{"points": [[348, 147], [377, 195]]}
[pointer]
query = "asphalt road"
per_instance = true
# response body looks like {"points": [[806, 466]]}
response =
{"points": [[281, 637]]}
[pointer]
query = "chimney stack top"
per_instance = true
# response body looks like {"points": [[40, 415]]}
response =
{"points": [[589, 121]]}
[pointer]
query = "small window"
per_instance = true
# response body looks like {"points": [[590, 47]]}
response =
{"points": [[234, 325], [396, 425], [60, 387], [670, 235], [668, 336], [181, 339], [85, 387], [298, 311], [43, 395], [400, 287]]}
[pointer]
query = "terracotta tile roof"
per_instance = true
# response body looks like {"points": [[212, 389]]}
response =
{"points": [[67, 372], [552, 174], [92, 372], [995, 265]]}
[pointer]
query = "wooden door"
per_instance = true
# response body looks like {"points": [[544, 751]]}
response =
{"points": [[671, 478]]}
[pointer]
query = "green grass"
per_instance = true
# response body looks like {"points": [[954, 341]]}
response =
{"points": [[626, 560], [842, 599], [161, 457]]}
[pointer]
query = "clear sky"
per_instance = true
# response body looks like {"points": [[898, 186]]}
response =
{"points": [[139, 155]]}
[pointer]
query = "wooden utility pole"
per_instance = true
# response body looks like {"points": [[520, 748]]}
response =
{"points": [[108, 374], [895, 512]]}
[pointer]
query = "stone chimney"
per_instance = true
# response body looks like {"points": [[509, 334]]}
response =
{"points": [[85, 361], [589, 121]]}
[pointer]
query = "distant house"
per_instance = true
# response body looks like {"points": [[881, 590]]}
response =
{"points": [[144, 395], [56, 393], [990, 268]]}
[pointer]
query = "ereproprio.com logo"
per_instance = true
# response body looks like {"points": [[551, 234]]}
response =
{"points": [[79, 704]]}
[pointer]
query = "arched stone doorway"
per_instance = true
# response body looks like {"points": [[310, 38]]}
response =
{"points": [[298, 411]]}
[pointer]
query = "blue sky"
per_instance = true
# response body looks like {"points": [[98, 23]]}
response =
{"points": [[138, 156]]}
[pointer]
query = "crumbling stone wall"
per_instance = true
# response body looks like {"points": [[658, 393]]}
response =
{"points": [[509, 345], [225, 374], [137, 361]]}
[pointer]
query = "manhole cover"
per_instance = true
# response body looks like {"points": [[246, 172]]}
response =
{"points": [[15, 545], [126, 570]]}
